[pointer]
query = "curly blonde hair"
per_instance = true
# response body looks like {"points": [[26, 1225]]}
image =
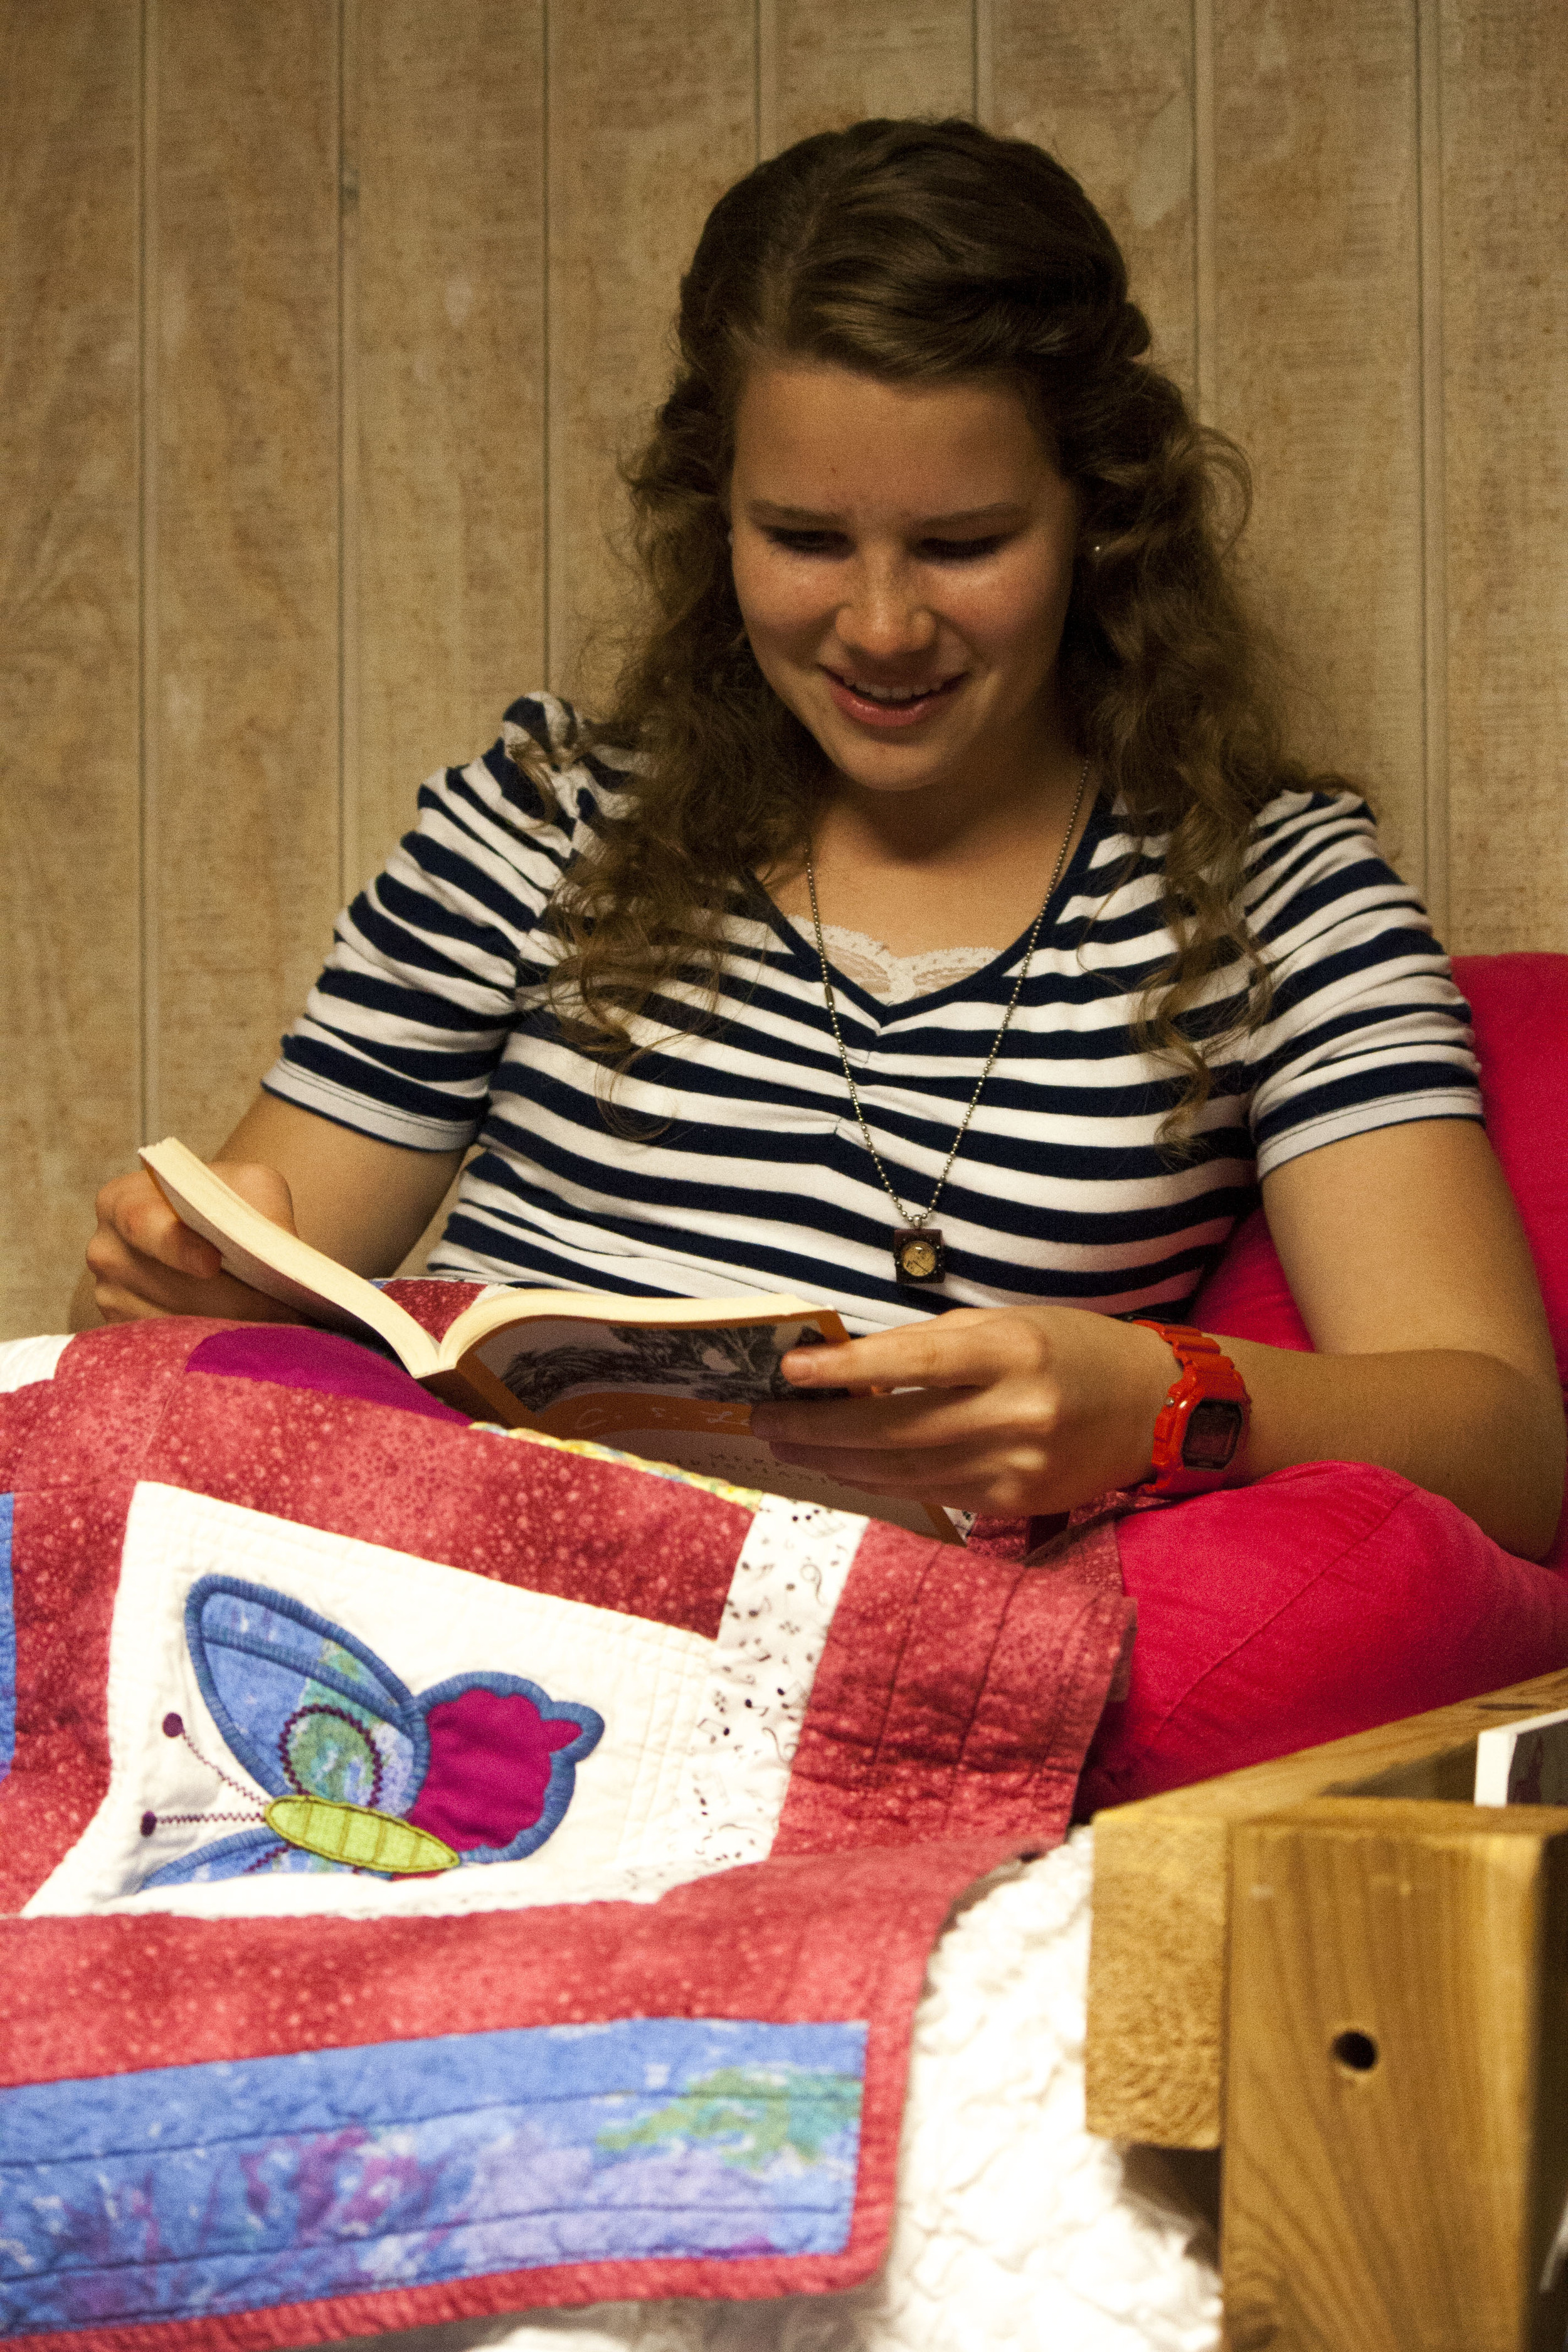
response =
{"points": [[929, 252]]}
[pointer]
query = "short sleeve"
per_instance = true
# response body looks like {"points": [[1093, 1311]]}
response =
{"points": [[402, 1032], [1366, 1028]]}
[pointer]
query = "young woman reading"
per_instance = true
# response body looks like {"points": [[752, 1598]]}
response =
{"points": [[936, 924]]}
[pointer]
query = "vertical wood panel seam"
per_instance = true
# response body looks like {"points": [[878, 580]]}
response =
{"points": [[147, 991], [350, 782], [1206, 356], [1434, 568], [983, 34], [547, 357], [765, 63]]}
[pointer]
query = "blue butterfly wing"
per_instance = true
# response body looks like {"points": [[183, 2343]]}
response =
{"points": [[253, 1854], [302, 1704], [231, 1857]]}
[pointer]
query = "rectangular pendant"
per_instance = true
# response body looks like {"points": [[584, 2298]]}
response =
{"points": [[918, 1255]]}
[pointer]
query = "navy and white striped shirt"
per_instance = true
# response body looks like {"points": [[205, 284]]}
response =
{"points": [[730, 1162]]}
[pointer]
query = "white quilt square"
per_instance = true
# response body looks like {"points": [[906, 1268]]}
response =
{"points": [[302, 1722]]}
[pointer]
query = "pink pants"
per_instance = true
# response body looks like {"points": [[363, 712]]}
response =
{"points": [[1317, 1602]]}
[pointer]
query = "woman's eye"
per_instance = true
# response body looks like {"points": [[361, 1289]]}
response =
{"points": [[835, 544], [807, 542], [959, 551]]}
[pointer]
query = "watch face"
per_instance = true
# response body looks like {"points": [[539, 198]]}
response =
{"points": [[1211, 1434]]}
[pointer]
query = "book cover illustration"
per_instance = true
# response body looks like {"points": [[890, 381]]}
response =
{"points": [[557, 1361]]}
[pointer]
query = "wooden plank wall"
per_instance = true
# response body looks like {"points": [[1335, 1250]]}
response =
{"points": [[321, 325]]}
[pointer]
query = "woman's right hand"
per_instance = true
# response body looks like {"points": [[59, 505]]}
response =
{"points": [[363, 1202], [143, 1261]]}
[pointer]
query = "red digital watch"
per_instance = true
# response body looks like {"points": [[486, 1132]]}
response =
{"points": [[1202, 1425]]}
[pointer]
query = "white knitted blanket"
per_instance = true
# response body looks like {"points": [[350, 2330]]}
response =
{"points": [[1015, 2227]]}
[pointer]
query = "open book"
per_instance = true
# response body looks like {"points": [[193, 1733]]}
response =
{"points": [[672, 1380], [1524, 1763]]}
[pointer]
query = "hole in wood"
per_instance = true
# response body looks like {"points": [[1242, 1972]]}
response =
{"points": [[1357, 2052]]}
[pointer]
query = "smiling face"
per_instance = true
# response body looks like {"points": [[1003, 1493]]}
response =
{"points": [[903, 559]]}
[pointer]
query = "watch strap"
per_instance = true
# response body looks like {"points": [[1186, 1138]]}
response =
{"points": [[1202, 1426]]}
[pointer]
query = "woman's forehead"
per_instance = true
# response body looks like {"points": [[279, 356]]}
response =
{"points": [[808, 433]]}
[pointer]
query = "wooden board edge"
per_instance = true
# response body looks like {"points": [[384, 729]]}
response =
{"points": [[1155, 2040]]}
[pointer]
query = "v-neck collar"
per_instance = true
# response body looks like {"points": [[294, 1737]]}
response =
{"points": [[803, 951]]}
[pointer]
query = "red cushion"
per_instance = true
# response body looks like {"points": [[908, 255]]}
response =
{"points": [[1520, 1006], [1334, 1596], [1315, 1604], [1247, 1296]]}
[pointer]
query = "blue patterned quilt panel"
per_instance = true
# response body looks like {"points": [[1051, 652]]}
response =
{"points": [[184, 2191]]}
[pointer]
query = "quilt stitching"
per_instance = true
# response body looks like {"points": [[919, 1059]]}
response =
{"points": [[820, 1932], [398, 2162], [44, 1441], [377, 1755], [977, 1690], [875, 1762], [644, 1675], [7, 1639], [787, 1582]]}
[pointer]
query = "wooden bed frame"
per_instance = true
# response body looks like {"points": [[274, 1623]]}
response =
{"points": [[1352, 1982]]}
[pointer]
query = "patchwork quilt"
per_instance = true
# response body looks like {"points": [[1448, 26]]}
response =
{"points": [[446, 1872]]}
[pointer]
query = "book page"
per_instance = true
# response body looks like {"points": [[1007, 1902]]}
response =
{"points": [[559, 1361], [278, 1264], [506, 1310], [680, 1395], [1524, 1763]]}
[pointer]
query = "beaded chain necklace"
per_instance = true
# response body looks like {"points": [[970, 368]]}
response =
{"points": [[917, 1254]]}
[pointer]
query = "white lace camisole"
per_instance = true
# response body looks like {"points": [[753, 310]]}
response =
{"points": [[895, 979]]}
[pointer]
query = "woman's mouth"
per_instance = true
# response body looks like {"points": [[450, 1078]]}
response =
{"points": [[889, 707]]}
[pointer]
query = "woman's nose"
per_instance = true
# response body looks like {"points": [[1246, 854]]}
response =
{"points": [[884, 616]]}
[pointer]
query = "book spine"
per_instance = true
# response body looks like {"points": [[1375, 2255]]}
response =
{"points": [[470, 1389]]}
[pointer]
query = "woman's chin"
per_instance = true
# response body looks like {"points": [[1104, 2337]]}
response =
{"points": [[910, 760], [895, 779]]}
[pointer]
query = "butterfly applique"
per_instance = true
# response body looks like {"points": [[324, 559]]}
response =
{"points": [[360, 1773]]}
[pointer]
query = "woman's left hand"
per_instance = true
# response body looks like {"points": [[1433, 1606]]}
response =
{"points": [[1004, 1410]]}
